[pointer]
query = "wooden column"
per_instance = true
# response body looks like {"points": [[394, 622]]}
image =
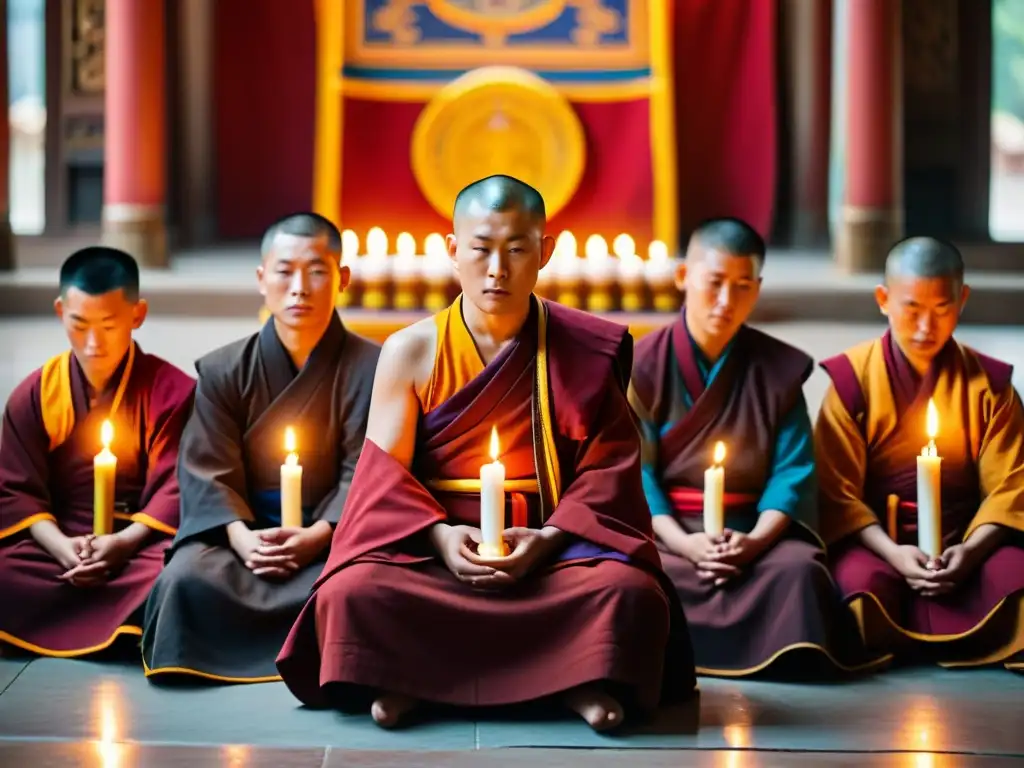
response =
{"points": [[6, 238], [807, 67], [135, 147], [872, 214]]}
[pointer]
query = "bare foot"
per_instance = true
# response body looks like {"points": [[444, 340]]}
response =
{"points": [[601, 711], [389, 708]]}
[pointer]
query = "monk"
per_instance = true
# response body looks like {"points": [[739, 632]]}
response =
{"points": [[759, 588], [237, 573], [961, 604], [71, 588], [409, 609]]}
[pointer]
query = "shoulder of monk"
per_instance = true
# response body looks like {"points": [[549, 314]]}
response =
{"points": [[227, 362], [856, 356], [997, 373], [776, 352], [27, 390], [360, 351], [586, 330], [650, 343], [156, 373]]}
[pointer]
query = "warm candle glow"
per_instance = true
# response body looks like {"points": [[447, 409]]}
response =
{"points": [[377, 243], [405, 245], [719, 454], [434, 246], [495, 448], [349, 245], [657, 251], [292, 459], [596, 247], [932, 428], [565, 245], [107, 434], [624, 246]]}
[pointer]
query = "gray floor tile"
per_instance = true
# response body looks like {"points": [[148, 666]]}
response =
{"points": [[10, 669], [112, 755], [907, 710], [86, 700]]}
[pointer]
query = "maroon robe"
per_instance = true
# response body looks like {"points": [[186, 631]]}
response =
{"points": [[386, 615], [785, 600], [970, 389], [41, 613]]}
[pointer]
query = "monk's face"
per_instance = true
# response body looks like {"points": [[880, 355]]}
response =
{"points": [[300, 280], [923, 313], [497, 255], [99, 329], [721, 289]]}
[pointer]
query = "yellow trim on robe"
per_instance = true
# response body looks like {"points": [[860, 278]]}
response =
{"points": [[124, 629], [457, 360], [544, 407], [473, 485], [26, 523], [869, 666], [152, 522], [206, 675]]}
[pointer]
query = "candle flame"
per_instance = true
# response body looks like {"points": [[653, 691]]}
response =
{"points": [[405, 245], [495, 448], [349, 245], [719, 455], [624, 246], [932, 421], [596, 247], [106, 434], [376, 242], [434, 246], [565, 245], [289, 440], [657, 251]]}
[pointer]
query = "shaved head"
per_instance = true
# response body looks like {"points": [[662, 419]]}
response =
{"points": [[501, 194], [925, 257], [305, 224], [97, 269], [730, 236]]}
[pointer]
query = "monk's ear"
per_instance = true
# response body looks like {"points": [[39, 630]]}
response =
{"points": [[964, 293], [260, 272], [58, 308], [680, 275], [344, 278], [451, 243], [547, 249], [882, 299], [139, 313]]}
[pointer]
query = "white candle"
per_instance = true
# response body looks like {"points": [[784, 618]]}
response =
{"points": [[600, 266], [104, 471], [714, 492], [349, 246], [659, 267], [291, 484], [376, 264], [929, 490], [492, 504], [406, 262]]}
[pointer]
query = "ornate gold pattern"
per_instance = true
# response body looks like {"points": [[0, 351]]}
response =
{"points": [[88, 49], [495, 20], [498, 120]]}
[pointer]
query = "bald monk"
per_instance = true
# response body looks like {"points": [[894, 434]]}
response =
{"points": [[68, 589], [760, 590], [962, 607], [407, 610], [238, 574]]}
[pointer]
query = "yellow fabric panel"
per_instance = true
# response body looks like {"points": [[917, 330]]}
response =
{"points": [[456, 362], [55, 399]]}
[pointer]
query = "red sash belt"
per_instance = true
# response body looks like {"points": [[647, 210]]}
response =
{"points": [[689, 502]]}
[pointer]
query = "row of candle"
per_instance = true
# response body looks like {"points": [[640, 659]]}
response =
{"points": [[492, 491], [601, 280]]}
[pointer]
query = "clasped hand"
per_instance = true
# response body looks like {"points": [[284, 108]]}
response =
{"points": [[458, 547], [720, 558], [91, 560], [278, 553], [933, 577]]}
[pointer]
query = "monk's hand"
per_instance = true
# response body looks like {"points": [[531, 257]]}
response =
{"points": [[102, 556], [456, 544], [530, 548], [68, 551], [703, 551], [284, 551], [950, 569], [916, 567], [737, 548]]}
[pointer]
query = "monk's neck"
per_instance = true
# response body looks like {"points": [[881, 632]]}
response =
{"points": [[492, 332], [921, 367], [299, 344], [709, 345]]}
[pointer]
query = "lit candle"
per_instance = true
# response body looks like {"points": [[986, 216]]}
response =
{"points": [[714, 492], [291, 484], [631, 273], [407, 271], [104, 471], [660, 273], [601, 269], [349, 245], [929, 490], [376, 270], [350, 258], [567, 267], [437, 272], [492, 504]]}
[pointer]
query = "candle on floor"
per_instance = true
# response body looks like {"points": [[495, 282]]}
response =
{"points": [[291, 484], [660, 272], [714, 493], [492, 504], [438, 274], [104, 471], [631, 273], [567, 269], [929, 490], [601, 271], [350, 258], [407, 272]]}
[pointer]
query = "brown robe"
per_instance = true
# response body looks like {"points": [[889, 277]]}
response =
{"points": [[386, 615], [785, 601], [209, 615], [50, 436]]}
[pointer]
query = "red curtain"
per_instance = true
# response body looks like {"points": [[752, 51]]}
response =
{"points": [[726, 110]]}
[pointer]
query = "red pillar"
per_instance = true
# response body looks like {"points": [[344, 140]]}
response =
{"points": [[872, 213], [6, 238], [135, 145]]}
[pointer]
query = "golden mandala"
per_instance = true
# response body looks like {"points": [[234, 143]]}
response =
{"points": [[498, 120]]}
